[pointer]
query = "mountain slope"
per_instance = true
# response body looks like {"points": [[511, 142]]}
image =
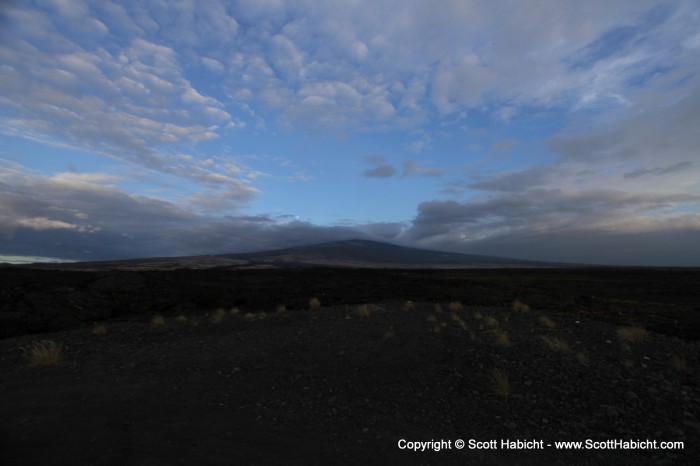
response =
{"points": [[364, 253]]}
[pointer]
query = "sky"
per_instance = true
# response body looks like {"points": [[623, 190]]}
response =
{"points": [[549, 130]]}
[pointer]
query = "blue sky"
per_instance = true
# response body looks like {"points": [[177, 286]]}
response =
{"points": [[550, 130]]}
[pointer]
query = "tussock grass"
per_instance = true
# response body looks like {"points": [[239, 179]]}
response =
{"points": [[437, 328], [500, 384], [282, 309], [158, 321], [634, 334], [582, 358], [456, 306], [262, 315], [679, 363], [389, 334], [491, 322], [520, 307], [218, 316], [409, 306], [431, 318], [546, 321], [235, 311], [249, 316], [438, 308], [44, 353], [478, 315], [99, 330], [556, 344], [181, 319], [314, 304], [502, 339], [363, 311]]}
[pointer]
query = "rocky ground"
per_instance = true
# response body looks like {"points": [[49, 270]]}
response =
{"points": [[343, 384]]}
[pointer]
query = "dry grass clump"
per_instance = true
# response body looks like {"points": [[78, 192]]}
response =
{"points": [[363, 311], [478, 315], [431, 318], [409, 306], [218, 316], [389, 334], [249, 316], [500, 383], [491, 322], [679, 362], [282, 309], [181, 318], [314, 304], [582, 358], [502, 339], [262, 315], [456, 306], [557, 345], [438, 308], [44, 353], [546, 321], [520, 307], [635, 334], [158, 321], [99, 330], [235, 311]]}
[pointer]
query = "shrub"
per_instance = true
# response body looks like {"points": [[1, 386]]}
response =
{"points": [[500, 383], [546, 321], [582, 358], [218, 316], [363, 311], [158, 321], [456, 306], [635, 334], [679, 363], [502, 339], [44, 353], [557, 345], [314, 304], [389, 334], [520, 307]]}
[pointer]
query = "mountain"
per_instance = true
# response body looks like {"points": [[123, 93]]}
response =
{"points": [[349, 253], [365, 253]]}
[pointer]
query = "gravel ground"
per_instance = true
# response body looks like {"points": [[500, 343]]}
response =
{"points": [[327, 385]]}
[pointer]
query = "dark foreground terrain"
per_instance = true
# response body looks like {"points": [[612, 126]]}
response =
{"points": [[334, 386]]}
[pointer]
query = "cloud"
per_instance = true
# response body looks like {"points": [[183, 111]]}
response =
{"points": [[515, 181], [382, 171], [412, 168], [597, 227], [540, 213], [78, 216], [658, 170]]}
